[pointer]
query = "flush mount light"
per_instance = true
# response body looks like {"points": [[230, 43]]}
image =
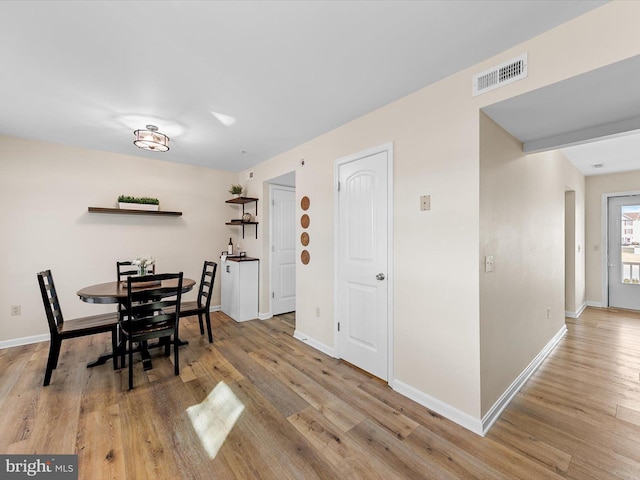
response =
{"points": [[151, 139]]}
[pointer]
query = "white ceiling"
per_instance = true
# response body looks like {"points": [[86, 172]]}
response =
{"points": [[88, 73], [594, 118]]}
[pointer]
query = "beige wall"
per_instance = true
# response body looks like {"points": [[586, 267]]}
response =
{"points": [[435, 135], [522, 225], [596, 187], [45, 190]]}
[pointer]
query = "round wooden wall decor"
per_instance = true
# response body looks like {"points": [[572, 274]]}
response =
{"points": [[305, 257], [305, 220], [305, 202], [304, 239]]}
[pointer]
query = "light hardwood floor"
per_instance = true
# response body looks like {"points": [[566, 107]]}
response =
{"points": [[303, 415]]}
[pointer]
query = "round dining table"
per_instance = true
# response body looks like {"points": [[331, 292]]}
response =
{"points": [[117, 292]]}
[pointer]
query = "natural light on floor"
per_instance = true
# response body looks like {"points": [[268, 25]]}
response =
{"points": [[214, 417]]}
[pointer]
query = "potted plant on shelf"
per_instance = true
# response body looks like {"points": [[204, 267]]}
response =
{"points": [[127, 202], [235, 190]]}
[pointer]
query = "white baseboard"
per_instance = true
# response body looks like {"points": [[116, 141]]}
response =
{"points": [[314, 343], [577, 313], [595, 304], [494, 412], [264, 316], [476, 425], [463, 419], [16, 342], [214, 308]]}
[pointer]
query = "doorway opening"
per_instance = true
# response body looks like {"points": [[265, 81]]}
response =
{"points": [[282, 247]]}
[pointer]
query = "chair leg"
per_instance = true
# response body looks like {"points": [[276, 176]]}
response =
{"points": [[200, 321], [52, 361], [208, 318], [176, 349], [114, 347], [130, 363], [123, 350]]}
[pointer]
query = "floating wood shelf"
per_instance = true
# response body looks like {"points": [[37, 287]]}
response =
{"points": [[243, 201], [122, 211]]}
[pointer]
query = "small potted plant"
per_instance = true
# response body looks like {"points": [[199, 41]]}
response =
{"points": [[128, 202], [235, 190]]}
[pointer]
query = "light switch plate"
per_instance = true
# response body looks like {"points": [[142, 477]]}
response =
{"points": [[488, 264]]}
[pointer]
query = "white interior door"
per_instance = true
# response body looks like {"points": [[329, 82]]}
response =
{"points": [[283, 250], [623, 257], [362, 262]]}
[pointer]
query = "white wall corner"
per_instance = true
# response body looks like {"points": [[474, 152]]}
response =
{"points": [[327, 350], [577, 313], [16, 342], [595, 304], [214, 308], [461, 418], [496, 410]]}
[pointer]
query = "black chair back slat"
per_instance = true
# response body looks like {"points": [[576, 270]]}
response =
{"points": [[50, 301]]}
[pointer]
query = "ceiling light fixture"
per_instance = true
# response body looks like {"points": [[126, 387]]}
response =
{"points": [[151, 139]]}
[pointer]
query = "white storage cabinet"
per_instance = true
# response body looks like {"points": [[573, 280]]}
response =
{"points": [[240, 288]]}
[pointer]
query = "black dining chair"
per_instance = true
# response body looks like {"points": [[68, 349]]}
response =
{"points": [[152, 310], [202, 305], [79, 327]]}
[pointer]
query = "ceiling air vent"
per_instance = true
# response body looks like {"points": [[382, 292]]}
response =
{"points": [[503, 74]]}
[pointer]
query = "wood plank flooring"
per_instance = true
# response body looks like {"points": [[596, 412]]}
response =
{"points": [[269, 407]]}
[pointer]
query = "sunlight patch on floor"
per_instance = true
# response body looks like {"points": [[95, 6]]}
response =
{"points": [[214, 417]]}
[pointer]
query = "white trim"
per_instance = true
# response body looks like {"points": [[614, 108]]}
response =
{"points": [[475, 425], [386, 147], [494, 412], [458, 416], [594, 304], [16, 342], [327, 350], [214, 308], [264, 316], [577, 313], [604, 242]]}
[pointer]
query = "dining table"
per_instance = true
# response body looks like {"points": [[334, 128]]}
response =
{"points": [[116, 292]]}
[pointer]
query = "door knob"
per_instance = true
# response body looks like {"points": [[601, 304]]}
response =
{"points": [[380, 276]]}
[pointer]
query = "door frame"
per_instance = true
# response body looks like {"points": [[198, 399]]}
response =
{"points": [[604, 240], [388, 148]]}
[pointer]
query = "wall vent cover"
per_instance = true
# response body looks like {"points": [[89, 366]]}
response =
{"points": [[503, 74]]}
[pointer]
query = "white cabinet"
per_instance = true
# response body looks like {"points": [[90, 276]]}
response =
{"points": [[240, 288]]}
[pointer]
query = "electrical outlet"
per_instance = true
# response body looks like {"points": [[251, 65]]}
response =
{"points": [[16, 310], [548, 312]]}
